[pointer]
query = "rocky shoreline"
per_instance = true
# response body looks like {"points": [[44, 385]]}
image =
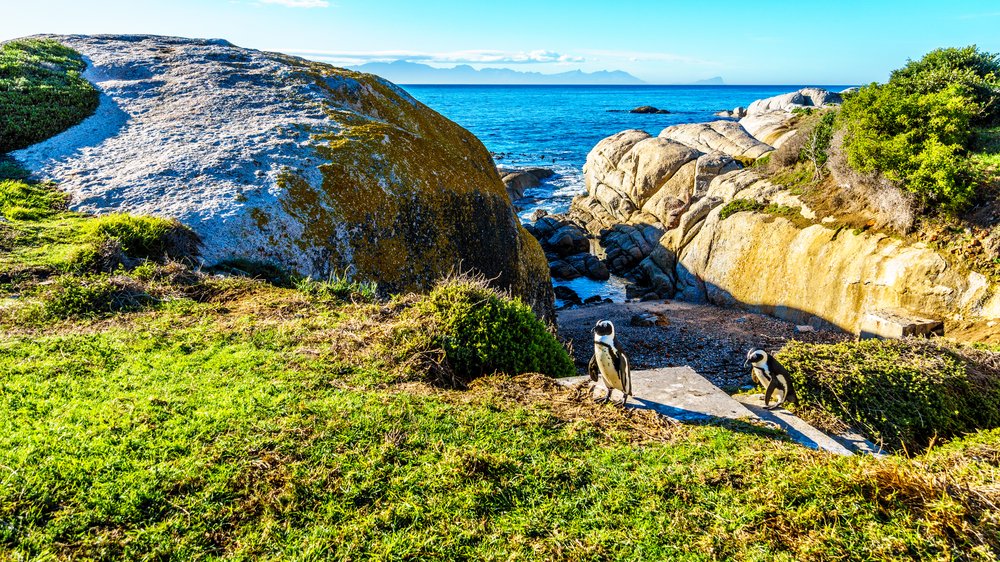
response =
{"points": [[652, 210]]}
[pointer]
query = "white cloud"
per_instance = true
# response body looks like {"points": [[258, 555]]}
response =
{"points": [[453, 57], [298, 3]]}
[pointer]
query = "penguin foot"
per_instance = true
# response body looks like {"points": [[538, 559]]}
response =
{"points": [[601, 400]]}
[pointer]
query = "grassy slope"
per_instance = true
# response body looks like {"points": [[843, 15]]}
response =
{"points": [[41, 92], [237, 419], [243, 428]]}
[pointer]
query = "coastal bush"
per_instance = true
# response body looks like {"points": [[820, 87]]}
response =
{"points": [[918, 129], [41, 92], [899, 393], [977, 72], [916, 140], [146, 237], [483, 332]]}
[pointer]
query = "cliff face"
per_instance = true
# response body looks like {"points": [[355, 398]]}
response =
{"points": [[810, 275], [656, 206], [274, 158]]}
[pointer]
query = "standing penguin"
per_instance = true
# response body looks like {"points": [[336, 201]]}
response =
{"points": [[771, 375], [609, 362]]}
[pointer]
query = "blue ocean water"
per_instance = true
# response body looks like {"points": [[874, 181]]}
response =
{"points": [[556, 126]]}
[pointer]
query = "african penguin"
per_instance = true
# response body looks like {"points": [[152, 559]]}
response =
{"points": [[771, 375], [610, 362]]}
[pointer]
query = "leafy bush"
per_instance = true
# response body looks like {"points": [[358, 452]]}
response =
{"points": [[89, 296], [918, 128], [25, 201], [976, 71], [917, 140], [41, 92], [898, 392], [739, 205], [146, 237], [483, 332]]}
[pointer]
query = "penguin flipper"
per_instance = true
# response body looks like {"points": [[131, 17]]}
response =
{"points": [[626, 374], [767, 393], [593, 370]]}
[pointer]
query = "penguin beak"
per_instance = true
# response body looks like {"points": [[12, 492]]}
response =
{"points": [[746, 362]]}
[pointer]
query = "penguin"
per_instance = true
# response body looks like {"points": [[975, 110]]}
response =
{"points": [[609, 362], [771, 375]]}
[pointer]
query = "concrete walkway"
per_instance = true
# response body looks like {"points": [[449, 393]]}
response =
{"points": [[682, 394]]}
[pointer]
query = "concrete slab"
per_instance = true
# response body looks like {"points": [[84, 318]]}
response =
{"points": [[895, 324], [679, 393], [798, 430]]}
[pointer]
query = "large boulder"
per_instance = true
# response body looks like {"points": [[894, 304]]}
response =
{"points": [[518, 181], [804, 98], [624, 171], [718, 136], [274, 158], [822, 276], [771, 120]]}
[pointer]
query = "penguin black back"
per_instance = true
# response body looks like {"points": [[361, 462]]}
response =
{"points": [[772, 375]]}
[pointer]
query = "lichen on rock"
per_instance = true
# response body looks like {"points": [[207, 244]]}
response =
{"points": [[275, 158]]}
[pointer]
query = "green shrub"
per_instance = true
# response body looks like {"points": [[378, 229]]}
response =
{"points": [[737, 206], [89, 296], [976, 71], [146, 237], [483, 332], [41, 92], [918, 129], [901, 393], [916, 140], [27, 201]]}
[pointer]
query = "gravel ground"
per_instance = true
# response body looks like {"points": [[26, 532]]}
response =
{"points": [[711, 340]]}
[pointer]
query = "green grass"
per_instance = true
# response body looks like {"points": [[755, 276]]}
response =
{"points": [[236, 430], [338, 286], [41, 92]]}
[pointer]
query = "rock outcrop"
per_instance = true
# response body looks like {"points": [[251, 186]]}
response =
{"points": [[718, 136], [567, 248], [274, 158], [638, 186], [654, 205], [770, 119], [649, 110], [518, 181], [818, 275]]}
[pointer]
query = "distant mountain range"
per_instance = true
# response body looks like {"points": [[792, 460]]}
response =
{"points": [[714, 81], [404, 72]]}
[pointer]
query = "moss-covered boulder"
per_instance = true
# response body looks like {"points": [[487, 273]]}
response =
{"points": [[273, 158]]}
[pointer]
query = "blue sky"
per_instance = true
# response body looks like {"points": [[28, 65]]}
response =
{"points": [[665, 41]]}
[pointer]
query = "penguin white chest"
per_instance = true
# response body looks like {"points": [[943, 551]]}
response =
{"points": [[762, 373], [606, 362]]}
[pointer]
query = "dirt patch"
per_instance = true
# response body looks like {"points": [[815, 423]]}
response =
{"points": [[575, 403], [711, 340]]}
